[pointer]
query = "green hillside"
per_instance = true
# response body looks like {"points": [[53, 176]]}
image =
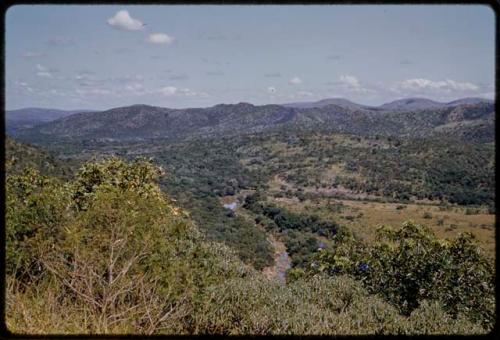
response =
{"points": [[473, 121], [21, 155]]}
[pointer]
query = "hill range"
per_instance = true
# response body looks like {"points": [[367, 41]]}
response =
{"points": [[469, 118]]}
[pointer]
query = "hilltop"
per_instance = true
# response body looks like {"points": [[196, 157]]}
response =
{"points": [[469, 119]]}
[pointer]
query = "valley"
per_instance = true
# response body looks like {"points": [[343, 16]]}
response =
{"points": [[283, 196], [359, 181]]}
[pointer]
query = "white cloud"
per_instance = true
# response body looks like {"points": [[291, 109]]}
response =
{"points": [[160, 39], [44, 74], [135, 87], [84, 76], [172, 91], [421, 84], [168, 91], [295, 81], [25, 86], [351, 85], [123, 21], [190, 93], [271, 89], [350, 81], [43, 71]]}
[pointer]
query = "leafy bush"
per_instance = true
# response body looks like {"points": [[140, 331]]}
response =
{"points": [[427, 215], [317, 305], [410, 265], [36, 206], [117, 250]]}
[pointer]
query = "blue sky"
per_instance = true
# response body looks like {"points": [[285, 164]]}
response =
{"points": [[99, 57]]}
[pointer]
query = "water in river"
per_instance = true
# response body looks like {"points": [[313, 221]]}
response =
{"points": [[282, 261]]}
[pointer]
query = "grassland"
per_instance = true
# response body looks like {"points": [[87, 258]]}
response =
{"points": [[363, 217]]}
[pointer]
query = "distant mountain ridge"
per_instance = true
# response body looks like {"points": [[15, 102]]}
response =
{"points": [[39, 114], [330, 101], [29, 117], [465, 118], [405, 104]]}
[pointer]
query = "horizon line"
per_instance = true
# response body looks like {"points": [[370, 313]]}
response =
{"points": [[246, 102]]}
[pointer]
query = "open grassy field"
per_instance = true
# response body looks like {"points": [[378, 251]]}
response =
{"points": [[363, 217]]}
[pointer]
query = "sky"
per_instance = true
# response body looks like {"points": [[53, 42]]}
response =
{"points": [[100, 56]]}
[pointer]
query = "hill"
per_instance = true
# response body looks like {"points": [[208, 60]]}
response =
{"points": [[406, 104], [474, 121], [344, 103], [19, 156], [29, 117]]}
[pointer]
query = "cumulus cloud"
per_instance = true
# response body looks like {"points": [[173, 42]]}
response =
{"points": [[160, 39], [271, 89], [190, 93], [25, 86], [421, 84], [84, 76], [295, 81], [172, 91], [350, 81], [350, 84], [43, 72], [123, 21], [168, 91]]}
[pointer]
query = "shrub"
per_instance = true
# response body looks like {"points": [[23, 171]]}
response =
{"points": [[36, 206], [124, 256], [410, 265], [318, 305]]}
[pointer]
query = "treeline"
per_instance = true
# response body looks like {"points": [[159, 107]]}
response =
{"points": [[445, 169], [302, 234]]}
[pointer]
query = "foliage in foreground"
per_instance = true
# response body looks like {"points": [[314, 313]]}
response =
{"points": [[411, 265], [318, 305], [109, 245], [112, 254]]}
